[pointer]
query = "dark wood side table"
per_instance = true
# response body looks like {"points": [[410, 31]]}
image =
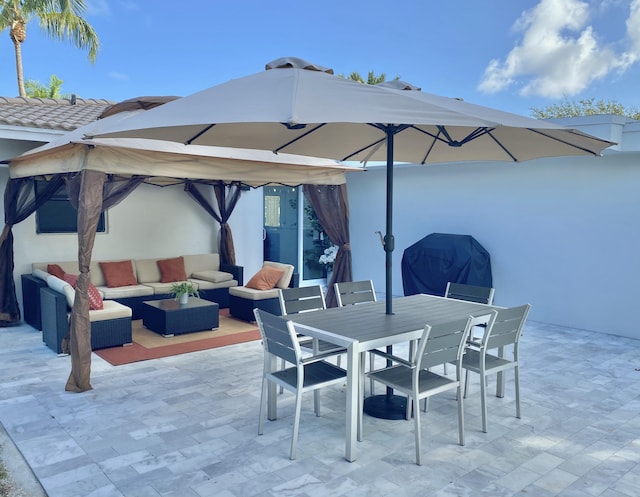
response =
{"points": [[168, 317]]}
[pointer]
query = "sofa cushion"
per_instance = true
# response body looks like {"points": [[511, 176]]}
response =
{"points": [[56, 270], [111, 310], [252, 293], [201, 262], [286, 276], [148, 270], [265, 279], [123, 292], [209, 285], [212, 276], [171, 270], [118, 273], [39, 273], [62, 287], [95, 298], [66, 266], [160, 288]]}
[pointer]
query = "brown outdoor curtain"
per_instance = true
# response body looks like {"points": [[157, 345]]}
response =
{"points": [[331, 205], [91, 193], [20, 201], [225, 205]]}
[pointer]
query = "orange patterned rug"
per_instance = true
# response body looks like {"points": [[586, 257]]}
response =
{"points": [[150, 345]]}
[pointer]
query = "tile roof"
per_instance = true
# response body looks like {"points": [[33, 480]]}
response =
{"points": [[51, 113]]}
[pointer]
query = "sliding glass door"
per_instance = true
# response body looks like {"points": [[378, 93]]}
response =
{"points": [[292, 233]]}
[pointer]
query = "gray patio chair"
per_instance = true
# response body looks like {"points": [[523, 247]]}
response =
{"points": [[357, 292], [305, 299], [505, 331], [470, 293], [438, 344], [354, 292], [311, 373]]}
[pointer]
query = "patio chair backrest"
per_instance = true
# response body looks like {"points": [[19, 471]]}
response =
{"points": [[301, 299], [443, 343], [506, 328], [470, 293], [278, 337], [354, 292]]}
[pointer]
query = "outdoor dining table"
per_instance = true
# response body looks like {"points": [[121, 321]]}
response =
{"points": [[363, 327]]}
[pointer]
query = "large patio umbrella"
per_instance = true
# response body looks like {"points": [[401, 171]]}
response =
{"points": [[301, 108]]}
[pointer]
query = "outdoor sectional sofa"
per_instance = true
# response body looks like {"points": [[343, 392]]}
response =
{"points": [[45, 302]]}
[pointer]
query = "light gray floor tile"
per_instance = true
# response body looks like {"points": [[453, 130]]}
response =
{"points": [[187, 426]]}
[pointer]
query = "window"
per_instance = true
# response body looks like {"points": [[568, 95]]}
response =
{"points": [[57, 215], [272, 211]]}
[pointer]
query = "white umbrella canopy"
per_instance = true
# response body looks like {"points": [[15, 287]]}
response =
{"points": [[165, 162], [301, 108]]}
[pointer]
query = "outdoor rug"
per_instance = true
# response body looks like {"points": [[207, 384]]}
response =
{"points": [[150, 345]]}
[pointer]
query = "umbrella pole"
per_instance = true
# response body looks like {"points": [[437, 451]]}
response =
{"points": [[389, 241], [388, 406]]}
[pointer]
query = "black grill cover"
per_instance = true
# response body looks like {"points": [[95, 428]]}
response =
{"points": [[428, 265]]}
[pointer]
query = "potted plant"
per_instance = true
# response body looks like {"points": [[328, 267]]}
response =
{"points": [[181, 291]]}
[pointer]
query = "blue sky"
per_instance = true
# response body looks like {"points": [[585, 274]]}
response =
{"points": [[508, 54]]}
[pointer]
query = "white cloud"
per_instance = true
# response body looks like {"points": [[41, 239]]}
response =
{"points": [[633, 27], [118, 76], [560, 54], [97, 7]]}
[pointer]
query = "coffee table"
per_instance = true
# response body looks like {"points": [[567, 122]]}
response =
{"points": [[168, 317]]}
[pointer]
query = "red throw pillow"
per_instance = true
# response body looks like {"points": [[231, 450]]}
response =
{"points": [[95, 299], [55, 270], [119, 273], [265, 279], [172, 270]]}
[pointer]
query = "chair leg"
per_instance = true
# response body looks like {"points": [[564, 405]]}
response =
{"points": [[460, 416], [263, 406], [283, 364], [360, 434], [316, 402], [418, 433], [296, 425], [516, 373], [483, 400], [466, 383], [372, 361]]}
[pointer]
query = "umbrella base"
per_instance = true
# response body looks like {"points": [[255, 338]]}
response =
{"points": [[386, 406]]}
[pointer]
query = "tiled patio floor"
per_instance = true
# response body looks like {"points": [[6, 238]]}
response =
{"points": [[186, 426]]}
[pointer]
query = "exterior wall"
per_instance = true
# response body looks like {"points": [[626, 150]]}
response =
{"points": [[562, 233]]}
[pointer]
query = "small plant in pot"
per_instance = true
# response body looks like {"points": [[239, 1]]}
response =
{"points": [[181, 291]]}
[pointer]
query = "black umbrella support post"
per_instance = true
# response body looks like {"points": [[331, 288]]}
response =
{"points": [[388, 406]]}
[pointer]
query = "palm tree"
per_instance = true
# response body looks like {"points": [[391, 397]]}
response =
{"points": [[61, 19], [372, 79], [36, 89]]}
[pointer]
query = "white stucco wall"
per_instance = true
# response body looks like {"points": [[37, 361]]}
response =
{"points": [[563, 234]]}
